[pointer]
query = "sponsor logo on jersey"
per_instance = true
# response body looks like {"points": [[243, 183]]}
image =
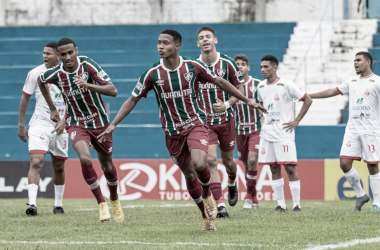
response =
{"points": [[360, 101], [354, 80], [176, 94], [175, 160], [188, 76], [361, 116], [348, 144], [110, 150], [60, 83], [273, 121], [207, 85], [84, 76], [238, 74], [102, 74], [160, 82], [73, 134], [232, 143], [280, 84], [371, 80], [262, 86], [221, 72], [185, 123], [276, 98], [273, 114], [58, 96], [270, 106], [367, 116], [203, 141], [246, 124], [75, 92], [361, 108], [87, 119], [140, 86], [366, 92]]}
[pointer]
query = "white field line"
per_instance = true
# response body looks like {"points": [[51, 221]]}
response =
{"points": [[128, 242], [142, 206], [345, 244]]}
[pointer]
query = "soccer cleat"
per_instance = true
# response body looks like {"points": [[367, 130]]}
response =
{"points": [[210, 207], [233, 195], [360, 202], [279, 209], [58, 210], [247, 204], [255, 202], [118, 215], [296, 209], [31, 210], [208, 225], [104, 212], [222, 212], [375, 208]]}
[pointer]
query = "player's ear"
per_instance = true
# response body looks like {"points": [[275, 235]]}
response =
{"points": [[197, 44], [249, 68], [215, 40]]}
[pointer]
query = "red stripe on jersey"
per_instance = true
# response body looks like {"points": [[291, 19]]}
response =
{"points": [[26, 93], [339, 91]]}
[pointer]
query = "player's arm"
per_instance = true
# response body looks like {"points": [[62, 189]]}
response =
{"points": [[107, 89], [307, 101], [60, 126], [222, 106], [22, 131], [124, 111], [54, 115], [230, 89], [325, 94]]}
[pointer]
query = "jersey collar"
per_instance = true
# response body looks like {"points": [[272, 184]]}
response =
{"points": [[179, 66], [216, 61], [75, 72], [273, 82], [250, 79], [367, 76]]}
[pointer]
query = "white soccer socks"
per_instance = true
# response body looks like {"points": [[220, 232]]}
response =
{"points": [[32, 193], [278, 188], [58, 192], [353, 178], [374, 181], [295, 189]]}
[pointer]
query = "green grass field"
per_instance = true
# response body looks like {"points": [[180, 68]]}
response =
{"points": [[178, 225]]}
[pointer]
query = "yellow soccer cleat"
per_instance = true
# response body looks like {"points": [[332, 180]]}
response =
{"points": [[117, 211], [104, 212], [210, 207], [208, 225]]}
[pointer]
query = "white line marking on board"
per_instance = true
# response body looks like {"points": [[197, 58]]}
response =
{"points": [[128, 242], [143, 206], [345, 244]]}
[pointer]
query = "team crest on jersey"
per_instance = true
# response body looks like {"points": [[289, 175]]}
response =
{"points": [[84, 76], [160, 82], [60, 83], [238, 74], [366, 92], [263, 151], [276, 98], [42, 137], [348, 144], [371, 80], [188, 76], [68, 120], [221, 72], [73, 134], [253, 89]]}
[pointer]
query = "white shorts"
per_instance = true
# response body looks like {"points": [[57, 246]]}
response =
{"points": [[357, 147], [277, 153], [42, 141]]}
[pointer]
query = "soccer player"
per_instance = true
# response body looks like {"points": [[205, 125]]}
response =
{"points": [[76, 78], [361, 139], [248, 126], [221, 125], [174, 80], [44, 135], [277, 145]]}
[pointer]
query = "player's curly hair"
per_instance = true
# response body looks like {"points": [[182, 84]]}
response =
{"points": [[65, 41], [366, 55], [242, 57], [272, 59], [175, 34]]}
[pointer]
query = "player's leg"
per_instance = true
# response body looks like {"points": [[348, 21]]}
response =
{"points": [[59, 183], [295, 186], [242, 148], [352, 150], [253, 146]]}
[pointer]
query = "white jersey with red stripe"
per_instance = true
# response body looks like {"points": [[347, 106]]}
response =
{"points": [[42, 111], [278, 97], [364, 105]]}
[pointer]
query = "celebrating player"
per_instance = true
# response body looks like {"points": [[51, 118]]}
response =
{"points": [[221, 125], [361, 139], [44, 135], [248, 128], [174, 80], [277, 145], [76, 77]]}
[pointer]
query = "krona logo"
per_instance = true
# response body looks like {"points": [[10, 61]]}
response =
{"points": [[270, 106], [360, 101]]}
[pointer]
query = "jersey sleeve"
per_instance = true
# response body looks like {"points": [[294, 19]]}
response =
{"points": [[295, 92], [30, 84], [234, 75], [144, 85], [258, 95], [96, 72], [47, 76], [344, 88], [203, 73]]}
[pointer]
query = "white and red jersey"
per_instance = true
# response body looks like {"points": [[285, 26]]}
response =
{"points": [[42, 110], [247, 118], [278, 97], [364, 104]]}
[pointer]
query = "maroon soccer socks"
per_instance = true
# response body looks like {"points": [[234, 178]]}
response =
{"points": [[251, 186], [91, 178], [112, 183], [195, 191], [204, 178]]}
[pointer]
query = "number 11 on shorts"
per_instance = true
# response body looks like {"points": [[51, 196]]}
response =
{"points": [[286, 148]]}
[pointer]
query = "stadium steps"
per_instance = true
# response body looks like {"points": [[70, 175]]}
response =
{"points": [[339, 46]]}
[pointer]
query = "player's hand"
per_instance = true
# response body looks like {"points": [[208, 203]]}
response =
{"points": [[257, 106], [103, 136], [262, 120], [23, 133], [290, 125], [54, 115], [80, 82], [219, 106], [59, 127]]}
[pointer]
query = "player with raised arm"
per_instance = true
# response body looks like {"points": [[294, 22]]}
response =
{"points": [[277, 145], [44, 135], [76, 78], [174, 80], [361, 138], [221, 124]]}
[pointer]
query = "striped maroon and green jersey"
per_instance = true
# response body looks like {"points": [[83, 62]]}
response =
{"points": [[226, 68], [85, 107], [248, 119], [176, 92]]}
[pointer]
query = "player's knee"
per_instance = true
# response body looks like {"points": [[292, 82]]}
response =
{"points": [[290, 170], [107, 167], [59, 169], [275, 169], [36, 164], [212, 162], [85, 160], [199, 164], [252, 163], [344, 166], [228, 163], [190, 176]]}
